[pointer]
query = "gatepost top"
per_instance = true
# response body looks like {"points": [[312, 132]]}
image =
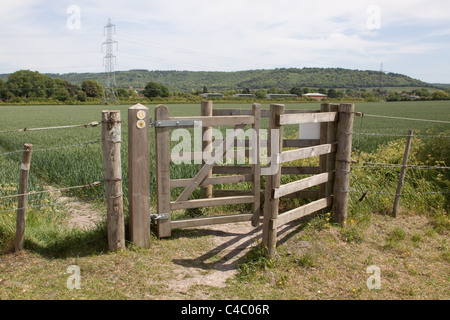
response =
{"points": [[138, 106]]}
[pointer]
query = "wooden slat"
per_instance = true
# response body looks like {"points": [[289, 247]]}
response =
{"points": [[304, 194], [189, 156], [299, 212], [240, 142], [232, 170], [308, 152], [162, 147], [285, 119], [232, 112], [287, 143], [264, 113], [231, 193], [248, 170], [206, 221], [256, 166], [178, 183], [205, 170], [299, 170], [211, 121], [206, 111], [300, 143], [210, 202], [192, 156], [299, 185]]}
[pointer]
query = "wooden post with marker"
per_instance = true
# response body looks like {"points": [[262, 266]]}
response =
{"points": [[139, 174]]}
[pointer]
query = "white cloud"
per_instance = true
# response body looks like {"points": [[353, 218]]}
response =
{"points": [[220, 34]]}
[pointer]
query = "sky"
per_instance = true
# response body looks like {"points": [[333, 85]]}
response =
{"points": [[408, 37]]}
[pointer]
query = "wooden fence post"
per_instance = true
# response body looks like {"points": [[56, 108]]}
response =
{"points": [[271, 205], [401, 178], [162, 141], [207, 110], [331, 157], [112, 171], [139, 174], [22, 200], [343, 160], [323, 159], [256, 166]]}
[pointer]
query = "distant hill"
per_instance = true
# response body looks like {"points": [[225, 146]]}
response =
{"points": [[284, 78]]}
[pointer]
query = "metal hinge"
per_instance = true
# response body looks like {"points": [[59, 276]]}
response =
{"points": [[162, 216], [176, 123]]}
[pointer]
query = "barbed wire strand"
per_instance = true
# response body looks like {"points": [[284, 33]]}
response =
{"points": [[86, 125], [56, 204], [56, 148], [91, 185], [402, 194], [375, 165], [402, 118], [376, 134]]}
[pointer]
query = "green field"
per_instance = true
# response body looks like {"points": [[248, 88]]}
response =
{"points": [[412, 250], [82, 164]]}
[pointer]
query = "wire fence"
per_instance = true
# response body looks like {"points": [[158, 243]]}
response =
{"points": [[391, 170], [362, 166], [6, 202]]}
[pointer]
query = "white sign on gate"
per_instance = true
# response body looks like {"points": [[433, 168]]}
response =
{"points": [[309, 131]]}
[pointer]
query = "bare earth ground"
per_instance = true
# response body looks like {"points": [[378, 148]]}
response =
{"points": [[230, 242], [82, 215]]}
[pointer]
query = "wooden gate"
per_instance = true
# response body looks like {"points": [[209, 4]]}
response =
{"points": [[334, 167], [329, 179], [163, 124]]}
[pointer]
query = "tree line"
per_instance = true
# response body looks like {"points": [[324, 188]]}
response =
{"points": [[31, 86], [283, 78], [25, 85]]}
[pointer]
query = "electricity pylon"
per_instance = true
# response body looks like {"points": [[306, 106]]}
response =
{"points": [[110, 95]]}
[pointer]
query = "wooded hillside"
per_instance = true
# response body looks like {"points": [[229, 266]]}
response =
{"points": [[285, 79]]}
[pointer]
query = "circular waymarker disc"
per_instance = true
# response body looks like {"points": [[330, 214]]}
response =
{"points": [[140, 124], [141, 114]]}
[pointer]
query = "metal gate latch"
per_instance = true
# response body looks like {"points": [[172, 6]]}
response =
{"points": [[176, 123]]}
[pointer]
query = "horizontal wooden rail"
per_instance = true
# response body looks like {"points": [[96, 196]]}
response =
{"points": [[300, 170], [304, 194], [285, 119], [178, 183], [287, 143], [210, 202], [300, 143], [232, 169], [192, 156], [302, 184], [212, 121], [308, 152], [264, 113], [206, 221], [300, 212], [231, 193], [243, 169]]}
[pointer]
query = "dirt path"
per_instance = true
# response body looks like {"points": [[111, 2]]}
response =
{"points": [[82, 215], [231, 242]]}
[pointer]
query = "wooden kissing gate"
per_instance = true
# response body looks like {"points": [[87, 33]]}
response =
{"points": [[331, 176]]}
